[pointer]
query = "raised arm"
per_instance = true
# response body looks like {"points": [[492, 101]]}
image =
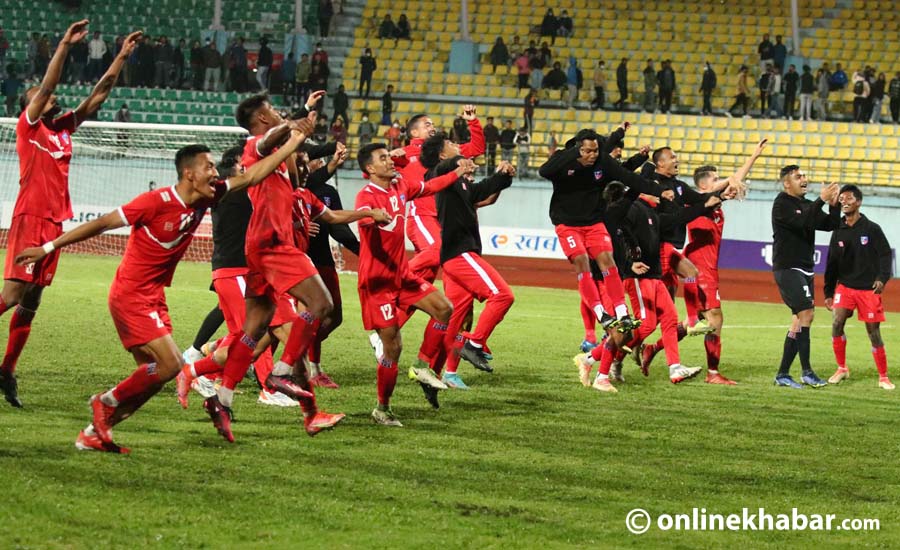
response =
{"points": [[487, 188], [83, 232], [737, 179], [350, 216], [266, 165], [438, 184], [74, 34], [475, 146], [101, 91]]}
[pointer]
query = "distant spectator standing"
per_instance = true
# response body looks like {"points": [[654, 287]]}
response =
{"points": [[340, 104], [742, 98], [326, 12], [338, 131], [765, 54], [320, 56], [123, 114], [861, 92], [838, 79], [549, 26], [387, 29], [573, 82], [301, 77], [708, 83], [11, 86], [196, 66], [666, 86], [366, 130], [894, 93], [523, 67], [807, 89], [823, 88], [775, 96], [523, 144], [566, 26], [791, 82], [394, 135], [492, 140], [387, 105], [507, 142], [164, 56], [288, 70], [403, 32], [321, 129], [31, 52], [4, 46], [530, 102], [367, 66], [650, 83], [146, 68], [764, 79], [318, 81], [877, 97], [622, 83], [238, 65], [96, 51], [515, 50], [599, 86], [78, 57], [779, 53], [537, 62], [499, 54], [264, 61], [555, 79]]}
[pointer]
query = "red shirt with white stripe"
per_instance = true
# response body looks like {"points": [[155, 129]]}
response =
{"points": [[706, 238], [306, 208], [162, 227], [45, 152], [270, 224]]}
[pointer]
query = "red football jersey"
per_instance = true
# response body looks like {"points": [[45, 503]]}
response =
{"points": [[270, 224], [306, 208], [45, 152], [382, 251], [162, 227], [706, 236]]}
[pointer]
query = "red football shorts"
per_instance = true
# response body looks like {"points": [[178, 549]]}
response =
{"points": [[588, 239], [230, 290], [708, 287], [25, 232], [868, 304], [669, 258], [274, 271], [379, 309], [139, 317], [332, 282]]}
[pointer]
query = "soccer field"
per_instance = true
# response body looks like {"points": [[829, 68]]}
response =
{"points": [[527, 458]]}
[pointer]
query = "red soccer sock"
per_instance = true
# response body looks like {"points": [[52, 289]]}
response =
{"points": [[314, 354], [691, 300], [436, 364], [142, 380], [670, 341], [606, 358], [839, 345], [589, 320], [452, 346], [205, 366], [615, 290], [597, 353], [303, 333], [432, 340], [590, 296], [19, 329], [387, 379], [494, 311], [713, 351], [240, 354], [263, 367], [880, 361]]}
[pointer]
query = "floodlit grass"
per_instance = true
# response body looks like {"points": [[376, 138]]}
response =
{"points": [[528, 458]]}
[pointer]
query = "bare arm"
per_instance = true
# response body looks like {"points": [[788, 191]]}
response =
{"points": [[266, 165], [83, 232], [349, 216], [75, 33], [101, 91]]}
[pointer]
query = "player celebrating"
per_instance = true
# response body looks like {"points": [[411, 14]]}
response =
{"points": [[795, 220], [386, 285], [44, 148], [164, 221], [858, 267]]}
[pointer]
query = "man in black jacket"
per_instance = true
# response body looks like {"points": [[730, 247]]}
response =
{"points": [[859, 265], [795, 220], [622, 83]]}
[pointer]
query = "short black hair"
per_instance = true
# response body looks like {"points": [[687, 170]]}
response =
{"points": [[364, 157], [186, 155], [430, 155], [448, 165], [614, 192], [703, 172], [852, 189], [246, 109], [230, 158], [787, 170], [658, 153], [413, 121]]}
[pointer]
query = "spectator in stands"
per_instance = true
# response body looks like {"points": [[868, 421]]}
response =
{"points": [[538, 63], [791, 82], [599, 86], [31, 55], [163, 56], [366, 130], [145, 63], [123, 114], [492, 139], [523, 144], [775, 95], [288, 87], [178, 64], [877, 97], [550, 26], [387, 29], [320, 130], [807, 89], [779, 53], [320, 56], [367, 68], [404, 32], [340, 104], [532, 49], [823, 88], [237, 64], [545, 54], [301, 77], [318, 81], [387, 105], [839, 79], [394, 135], [4, 46], [523, 67], [499, 54], [196, 65], [650, 83], [622, 83], [459, 133], [212, 63], [515, 50], [78, 57], [869, 75], [764, 79], [708, 83], [11, 86], [326, 12], [666, 86], [574, 81], [264, 63], [742, 98], [765, 54], [43, 55], [507, 142], [96, 51], [338, 130], [530, 102], [555, 79], [894, 94], [861, 92], [151, 186], [131, 67], [566, 26]]}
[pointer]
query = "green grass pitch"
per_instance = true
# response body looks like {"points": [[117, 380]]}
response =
{"points": [[528, 458]]}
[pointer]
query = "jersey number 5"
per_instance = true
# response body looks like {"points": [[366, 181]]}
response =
{"points": [[571, 240]]}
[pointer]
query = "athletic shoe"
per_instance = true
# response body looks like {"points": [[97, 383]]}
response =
{"points": [[719, 379], [276, 399], [627, 324], [192, 355], [102, 414], [486, 351], [285, 385], [377, 345], [885, 383], [206, 387], [587, 346], [86, 442], [385, 418], [183, 386], [702, 328], [10, 387], [453, 380], [615, 371], [647, 355], [322, 380], [810, 379], [426, 376], [321, 421], [208, 348], [221, 417], [680, 373], [839, 375], [475, 356], [584, 369], [786, 381], [604, 385], [431, 395]]}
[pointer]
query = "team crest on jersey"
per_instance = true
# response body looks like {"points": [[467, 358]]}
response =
{"points": [[864, 240], [570, 172], [841, 244], [678, 188], [65, 137], [327, 201], [649, 221], [169, 226], [403, 197], [598, 174]]}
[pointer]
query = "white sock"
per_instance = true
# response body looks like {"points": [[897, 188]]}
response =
{"points": [[621, 311], [282, 369], [194, 351], [712, 372], [474, 344], [193, 372], [226, 396], [109, 399], [89, 431], [601, 376], [599, 311], [313, 369]]}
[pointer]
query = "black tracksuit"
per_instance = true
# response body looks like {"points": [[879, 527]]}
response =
{"points": [[685, 195], [794, 224], [858, 255], [319, 246], [230, 217], [457, 216]]}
